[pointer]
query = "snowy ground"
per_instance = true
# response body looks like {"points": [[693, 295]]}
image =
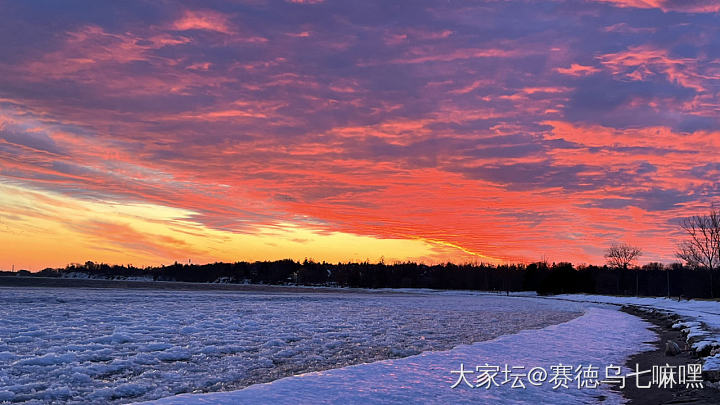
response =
{"points": [[700, 319], [112, 345], [427, 377]]}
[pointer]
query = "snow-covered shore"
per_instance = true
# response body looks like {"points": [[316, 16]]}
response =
{"points": [[416, 378], [699, 320]]}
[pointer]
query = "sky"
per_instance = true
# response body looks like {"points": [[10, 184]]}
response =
{"points": [[148, 132]]}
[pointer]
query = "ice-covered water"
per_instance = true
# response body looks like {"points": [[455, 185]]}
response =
{"points": [[112, 345], [428, 377]]}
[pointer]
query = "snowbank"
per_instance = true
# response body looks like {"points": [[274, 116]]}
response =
{"points": [[699, 320]]}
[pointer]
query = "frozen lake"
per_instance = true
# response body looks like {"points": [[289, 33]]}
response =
{"points": [[429, 376], [114, 345]]}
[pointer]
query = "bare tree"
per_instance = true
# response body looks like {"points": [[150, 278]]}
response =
{"points": [[702, 249], [621, 255]]}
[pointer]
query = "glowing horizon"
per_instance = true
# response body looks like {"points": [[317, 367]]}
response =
{"points": [[427, 131]]}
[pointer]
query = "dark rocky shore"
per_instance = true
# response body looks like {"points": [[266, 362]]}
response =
{"points": [[677, 395]]}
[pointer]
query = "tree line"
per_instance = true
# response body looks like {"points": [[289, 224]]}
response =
{"points": [[692, 279], [654, 279]]}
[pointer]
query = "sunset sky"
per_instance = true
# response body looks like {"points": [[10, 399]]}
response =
{"points": [[146, 132]]}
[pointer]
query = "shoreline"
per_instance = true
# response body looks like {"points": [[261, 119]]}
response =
{"points": [[662, 327], [52, 282], [406, 380]]}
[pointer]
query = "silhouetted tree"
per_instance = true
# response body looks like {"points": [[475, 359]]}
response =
{"points": [[702, 249], [653, 279], [621, 255]]}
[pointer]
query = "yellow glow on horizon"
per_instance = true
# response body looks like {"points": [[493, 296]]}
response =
{"points": [[485, 258], [40, 229]]}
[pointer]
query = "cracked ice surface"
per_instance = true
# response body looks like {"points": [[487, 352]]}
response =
{"points": [[426, 378], [112, 345]]}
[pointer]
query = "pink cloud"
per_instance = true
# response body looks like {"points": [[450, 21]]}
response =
{"points": [[690, 6], [200, 66], [203, 20], [642, 62], [396, 37], [577, 70], [627, 28], [431, 55], [303, 34], [471, 87]]}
